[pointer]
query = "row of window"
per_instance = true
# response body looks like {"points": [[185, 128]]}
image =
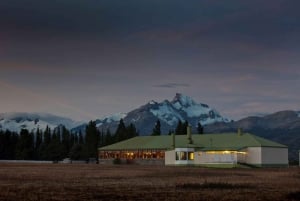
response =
{"points": [[146, 154]]}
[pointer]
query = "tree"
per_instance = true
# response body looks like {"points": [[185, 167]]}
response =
{"points": [[200, 128], [2, 145], [80, 138], [38, 144], [91, 140], [121, 132], [8, 142], [24, 148], [54, 148], [178, 130], [131, 131], [181, 128], [156, 130], [66, 141], [47, 136], [108, 139]]}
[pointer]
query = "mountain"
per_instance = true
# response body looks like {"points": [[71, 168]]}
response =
{"points": [[32, 121], [168, 112], [282, 127], [113, 119]]}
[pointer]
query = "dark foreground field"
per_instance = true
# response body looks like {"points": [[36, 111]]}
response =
{"points": [[129, 182]]}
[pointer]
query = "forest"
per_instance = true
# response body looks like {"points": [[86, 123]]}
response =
{"points": [[60, 143]]}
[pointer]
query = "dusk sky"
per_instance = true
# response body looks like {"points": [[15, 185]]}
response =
{"points": [[86, 59]]}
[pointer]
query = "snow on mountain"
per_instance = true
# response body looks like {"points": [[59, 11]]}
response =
{"points": [[192, 109], [169, 113], [113, 118], [32, 121]]}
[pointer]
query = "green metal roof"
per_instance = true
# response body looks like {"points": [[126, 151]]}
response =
{"points": [[228, 141]]}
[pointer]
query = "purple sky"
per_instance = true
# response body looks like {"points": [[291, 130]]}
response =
{"points": [[86, 59]]}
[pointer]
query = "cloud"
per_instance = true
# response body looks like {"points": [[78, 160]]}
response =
{"points": [[172, 85]]}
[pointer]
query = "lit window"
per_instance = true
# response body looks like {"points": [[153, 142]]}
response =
{"points": [[190, 155]]}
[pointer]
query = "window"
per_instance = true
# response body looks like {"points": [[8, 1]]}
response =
{"points": [[181, 155], [190, 155]]}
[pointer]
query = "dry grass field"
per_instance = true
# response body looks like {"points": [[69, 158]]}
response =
{"points": [[133, 182]]}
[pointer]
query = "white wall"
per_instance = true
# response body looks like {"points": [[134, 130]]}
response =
{"points": [[217, 158], [266, 156], [253, 155], [170, 157], [272, 155]]}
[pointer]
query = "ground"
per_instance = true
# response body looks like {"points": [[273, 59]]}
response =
{"points": [[134, 182]]}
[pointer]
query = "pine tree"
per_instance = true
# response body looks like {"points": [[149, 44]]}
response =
{"points": [[80, 138], [178, 130], [38, 145], [13, 140], [108, 138], [55, 149], [2, 145], [24, 148], [47, 136], [181, 128], [65, 142], [156, 129], [121, 132], [184, 127], [131, 131], [200, 128], [91, 140]]}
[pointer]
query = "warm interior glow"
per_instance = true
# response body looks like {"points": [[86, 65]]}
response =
{"points": [[191, 155], [225, 152]]}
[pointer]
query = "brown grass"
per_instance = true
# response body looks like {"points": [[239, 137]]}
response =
{"points": [[133, 182]]}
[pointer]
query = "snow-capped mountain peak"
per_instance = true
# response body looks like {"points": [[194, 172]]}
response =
{"points": [[182, 108], [166, 112], [187, 106], [182, 100]]}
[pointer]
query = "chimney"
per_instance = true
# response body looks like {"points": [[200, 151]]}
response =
{"points": [[240, 131], [189, 134], [173, 141]]}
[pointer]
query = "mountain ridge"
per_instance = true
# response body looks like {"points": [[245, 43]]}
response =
{"points": [[181, 107], [15, 121]]}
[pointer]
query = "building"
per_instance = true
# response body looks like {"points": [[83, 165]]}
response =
{"points": [[225, 150]]}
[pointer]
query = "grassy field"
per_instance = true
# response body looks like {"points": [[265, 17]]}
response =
{"points": [[132, 182]]}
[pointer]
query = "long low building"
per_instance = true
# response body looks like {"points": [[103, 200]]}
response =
{"points": [[226, 150]]}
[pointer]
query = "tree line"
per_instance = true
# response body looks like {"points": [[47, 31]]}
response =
{"points": [[181, 128], [60, 143]]}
